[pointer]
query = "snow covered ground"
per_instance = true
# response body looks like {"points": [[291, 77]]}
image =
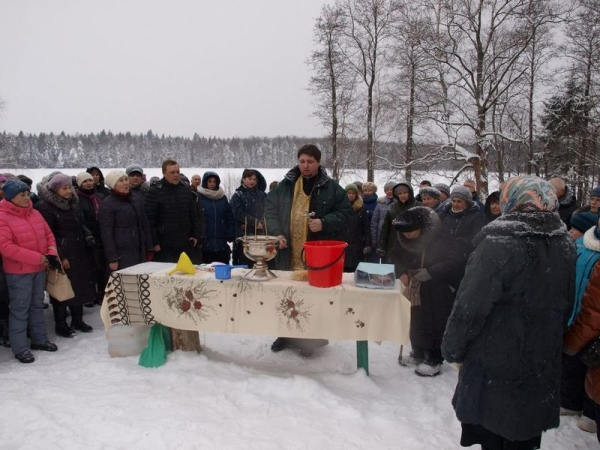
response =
{"points": [[236, 394]]}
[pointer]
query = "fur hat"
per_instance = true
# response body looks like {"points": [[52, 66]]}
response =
{"points": [[351, 187], [134, 168], [584, 221], [431, 191], [409, 220], [14, 187], [463, 193], [83, 176], [443, 188], [112, 177], [59, 180], [389, 185], [595, 192]]}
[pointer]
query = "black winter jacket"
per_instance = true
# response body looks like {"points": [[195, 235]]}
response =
{"points": [[248, 206], [66, 223], [445, 264], [172, 214], [357, 233], [125, 229], [507, 325]]}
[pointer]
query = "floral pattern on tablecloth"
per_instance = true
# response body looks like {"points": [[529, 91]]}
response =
{"points": [[188, 300], [293, 310]]}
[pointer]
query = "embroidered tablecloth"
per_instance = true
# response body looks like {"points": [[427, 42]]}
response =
{"points": [[146, 294]]}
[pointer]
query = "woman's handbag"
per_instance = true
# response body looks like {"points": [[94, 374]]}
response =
{"points": [[590, 354], [58, 285]]}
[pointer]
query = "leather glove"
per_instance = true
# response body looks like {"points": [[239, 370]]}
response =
{"points": [[366, 250], [380, 252], [53, 262], [90, 241], [422, 275]]}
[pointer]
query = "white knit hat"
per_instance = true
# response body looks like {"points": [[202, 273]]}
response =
{"points": [[83, 176], [111, 178]]}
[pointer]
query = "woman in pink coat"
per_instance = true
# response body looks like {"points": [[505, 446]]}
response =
{"points": [[27, 247]]}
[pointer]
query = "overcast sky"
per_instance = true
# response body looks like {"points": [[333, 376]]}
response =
{"points": [[217, 68]]}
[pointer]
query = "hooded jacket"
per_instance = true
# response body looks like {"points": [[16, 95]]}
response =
{"points": [[218, 216], [387, 238], [248, 206]]}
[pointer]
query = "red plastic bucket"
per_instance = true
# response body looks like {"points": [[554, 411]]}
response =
{"points": [[325, 262]]}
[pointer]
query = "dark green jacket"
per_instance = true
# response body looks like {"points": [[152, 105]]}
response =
{"points": [[329, 202]]}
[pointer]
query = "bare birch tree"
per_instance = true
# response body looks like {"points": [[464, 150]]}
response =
{"points": [[333, 83]]}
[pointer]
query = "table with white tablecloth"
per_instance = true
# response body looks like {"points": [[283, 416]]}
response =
{"points": [[147, 294]]}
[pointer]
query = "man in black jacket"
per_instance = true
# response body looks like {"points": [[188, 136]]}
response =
{"points": [[173, 217]]}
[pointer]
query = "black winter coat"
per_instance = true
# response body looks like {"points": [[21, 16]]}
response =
{"points": [[357, 233], [66, 223], [462, 227], [431, 251], [172, 214], [507, 325], [125, 229]]}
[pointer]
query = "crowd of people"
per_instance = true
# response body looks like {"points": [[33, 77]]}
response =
{"points": [[493, 283]]}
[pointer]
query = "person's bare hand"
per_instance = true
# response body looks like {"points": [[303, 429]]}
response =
{"points": [[113, 265], [315, 225], [66, 264], [282, 241]]}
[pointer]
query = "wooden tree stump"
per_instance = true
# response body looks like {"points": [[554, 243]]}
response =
{"points": [[185, 340]]}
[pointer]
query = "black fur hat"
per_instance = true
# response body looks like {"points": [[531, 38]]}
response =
{"points": [[409, 220]]}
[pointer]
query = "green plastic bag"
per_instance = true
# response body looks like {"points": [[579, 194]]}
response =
{"points": [[159, 343]]}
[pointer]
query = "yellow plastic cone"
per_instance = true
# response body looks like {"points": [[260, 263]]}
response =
{"points": [[183, 265]]}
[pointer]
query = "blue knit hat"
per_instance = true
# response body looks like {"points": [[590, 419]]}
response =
{"points": [[13, 187], [595, 192]]}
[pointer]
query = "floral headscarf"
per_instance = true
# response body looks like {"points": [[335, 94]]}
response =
{"points": [[528, 194]]}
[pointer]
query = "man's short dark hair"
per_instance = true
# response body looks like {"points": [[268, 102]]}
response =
{"points": [[168, 162], [310, 150], [425, 182]]}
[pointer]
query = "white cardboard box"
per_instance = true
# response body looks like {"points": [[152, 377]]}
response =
{"points": [[375, 276]]}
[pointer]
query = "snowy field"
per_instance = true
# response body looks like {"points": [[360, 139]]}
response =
{"points": [[236, 394]]}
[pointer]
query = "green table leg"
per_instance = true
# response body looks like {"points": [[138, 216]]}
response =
{"points": [[362, 355]]}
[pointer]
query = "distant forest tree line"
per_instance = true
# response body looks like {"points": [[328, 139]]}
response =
{"points": [[107, 149]]}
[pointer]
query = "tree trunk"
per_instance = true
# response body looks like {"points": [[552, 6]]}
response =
{"points": [[185, 340]]}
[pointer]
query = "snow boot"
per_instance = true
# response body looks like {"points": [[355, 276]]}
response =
{"points": [[411, 360], [77, 322], [60, 321], [428, 370]]}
